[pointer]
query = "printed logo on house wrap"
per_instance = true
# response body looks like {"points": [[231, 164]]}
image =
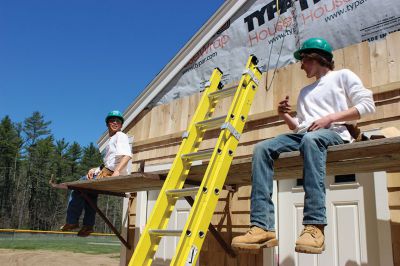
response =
{"points": [[259, 28]]}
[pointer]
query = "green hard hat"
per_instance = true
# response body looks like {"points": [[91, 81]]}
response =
{"points": [[311, 44], [115, 113]]}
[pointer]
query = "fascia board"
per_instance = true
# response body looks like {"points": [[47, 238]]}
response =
{"points": [[225, 12]]}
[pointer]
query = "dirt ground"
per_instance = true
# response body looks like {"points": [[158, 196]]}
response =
{"points": [[12, 257]]}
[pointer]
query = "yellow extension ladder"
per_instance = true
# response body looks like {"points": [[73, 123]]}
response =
{"points": [[220, 159]]}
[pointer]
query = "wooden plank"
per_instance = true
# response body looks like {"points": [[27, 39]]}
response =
{"points": [[393, 180], [338, 56], [263, 99], [351, 58], [393, 41], [137, 127], [290, 164], [389, 87], [282, 81], [365, 64], [124, 184], [155, 127], [379, 63], [164, 121], [395, 216], [367, 156], [299, 80], [394, 199], [241, 173], [184, 122], [359, 157]]}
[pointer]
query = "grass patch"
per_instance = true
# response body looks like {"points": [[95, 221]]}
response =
{"points": [[88, 245]]}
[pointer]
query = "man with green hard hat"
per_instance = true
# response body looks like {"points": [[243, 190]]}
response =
{"points": [[116, 156], [324, 107]]}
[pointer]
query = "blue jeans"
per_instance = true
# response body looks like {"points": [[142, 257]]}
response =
{"points": [[77, 203], [313, 148]]}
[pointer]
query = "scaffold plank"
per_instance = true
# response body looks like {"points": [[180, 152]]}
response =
{"points": [[358, 157]]}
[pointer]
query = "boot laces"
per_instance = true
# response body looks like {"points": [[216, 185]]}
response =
{"points": [[251, 231], [310, 229]]}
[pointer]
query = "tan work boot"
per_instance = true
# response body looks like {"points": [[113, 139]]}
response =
{"points": [[311, 240], [255, 238]]}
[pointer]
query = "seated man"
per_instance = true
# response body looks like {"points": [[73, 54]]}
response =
{"points": [[323, 107], [115, 159]]}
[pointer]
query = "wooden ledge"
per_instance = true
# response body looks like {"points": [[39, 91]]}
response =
{"points": [[359, 157], [119, 184]]}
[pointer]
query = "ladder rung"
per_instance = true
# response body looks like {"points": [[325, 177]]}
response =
{"points": [[160, 233], [212, 123], [223, 93], [200, 155], [182, 192]]}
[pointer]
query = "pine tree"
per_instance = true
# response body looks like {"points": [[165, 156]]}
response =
{"points": [[10, 143], [35, 128], [29, 156], [60, 158], [73, 155], [40, 149], [91, 158]]}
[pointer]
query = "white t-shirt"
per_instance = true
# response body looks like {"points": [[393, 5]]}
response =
{"points": [[335, 92], [117, 146]]}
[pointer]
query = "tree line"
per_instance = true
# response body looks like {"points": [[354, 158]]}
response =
{"points": [[29, 156]]}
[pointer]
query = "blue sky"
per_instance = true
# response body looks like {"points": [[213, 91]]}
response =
{"points": [[75, 60]]}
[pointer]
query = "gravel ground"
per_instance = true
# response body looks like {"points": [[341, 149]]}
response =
{"points": [[12, 257]]}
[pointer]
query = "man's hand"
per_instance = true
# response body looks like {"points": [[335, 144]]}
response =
{"points": [[91, 173], [116, 173], [124, 161], [284, 106], [324, 122], [343, 116], [284, 109]]}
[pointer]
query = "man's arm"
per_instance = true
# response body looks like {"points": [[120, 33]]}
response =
{"points": [[124, 160], [326, 121]]}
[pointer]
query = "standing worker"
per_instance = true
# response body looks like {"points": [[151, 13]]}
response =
{"points": [[323, 109], [116, 156]]}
